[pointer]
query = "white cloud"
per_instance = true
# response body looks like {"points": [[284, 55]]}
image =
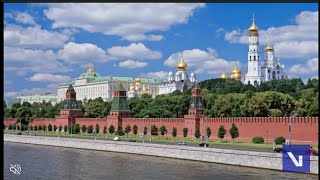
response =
{"points": [[113, 18], [290, 41], [75, 53], [21, 61], [50, 88], [44, 77], [202, 62], [33, 37], [161, 75], [133, 51], [24, 18], [130, 64], [309, 68]]}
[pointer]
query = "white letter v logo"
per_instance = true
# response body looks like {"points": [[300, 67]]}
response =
{"points": [[294, 160]]}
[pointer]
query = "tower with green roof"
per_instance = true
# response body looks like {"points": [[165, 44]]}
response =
{"points": [[71, 108], [119, 106]]}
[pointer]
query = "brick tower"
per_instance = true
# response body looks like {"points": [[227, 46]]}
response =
{"points": [[71, 109], [119, 107], [195, 112]]}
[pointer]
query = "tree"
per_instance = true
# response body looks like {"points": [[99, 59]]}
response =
{"points": [[313, 110], [127, 129], [145, 130], [120, 131], [10, 127], [208, 132], [36, 128], [197, 133], [65, 129], [54, 128], [154, 130], [49, 127], [44, 128], [40, 128], [111, 129], [234, 132], [174, 132], [24, 115], [222, 131], [163, 130], [275, 113], [135, 130], [104, 129], [60, 128], [90, 129], [77, 128], [185, 132], [97, 129], [83, 128]]}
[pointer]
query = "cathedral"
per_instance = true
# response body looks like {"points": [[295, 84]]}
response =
{"points": [[179, 81], [259, 70]]}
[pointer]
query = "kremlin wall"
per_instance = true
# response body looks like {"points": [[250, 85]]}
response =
{"points": [[303, 131]]}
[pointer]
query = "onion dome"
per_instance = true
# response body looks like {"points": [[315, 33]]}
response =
{"points": [[253, 29], [131, 84], [245, 76], [236, 73], [182, 66], [90, 70], [269, 48], [138, 80], [224, 76]]}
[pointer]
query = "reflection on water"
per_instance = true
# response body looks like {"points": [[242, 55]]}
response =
{"points": [[45, 162]]}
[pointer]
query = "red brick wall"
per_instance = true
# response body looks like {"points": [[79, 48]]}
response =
{"points": [[304, 130]]}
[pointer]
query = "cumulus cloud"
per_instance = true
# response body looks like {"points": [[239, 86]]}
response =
{"points": [[45, 77], [21, 61], [309, 68], [133, 51], [50, 88], [33, 37], [75, 53], [130, 64], [299, 40], [161, 75], [202, 62], [113, 19], [24, 18]]}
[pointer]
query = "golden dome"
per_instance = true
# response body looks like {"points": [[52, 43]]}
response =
{"points": [[253, 29], [90, 69], [245, 76], [131, 84], [268, 48], [224, 76], [182, 66], [236, 70], [236, 76], [138, 80], [236, 73]]}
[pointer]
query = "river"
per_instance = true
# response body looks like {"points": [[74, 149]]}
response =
{"points": [[56, 163]]}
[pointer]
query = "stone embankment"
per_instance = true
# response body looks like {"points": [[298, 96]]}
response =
{"points": [[225, 156]]}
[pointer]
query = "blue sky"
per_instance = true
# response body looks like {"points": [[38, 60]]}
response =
{"points": [[49, 44]]}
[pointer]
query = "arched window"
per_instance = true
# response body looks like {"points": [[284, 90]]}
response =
{"points": [[248, 82], [254, 58], [255, 82], [250, 58]]}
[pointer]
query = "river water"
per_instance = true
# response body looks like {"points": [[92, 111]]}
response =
{"points": [[56, 163]]}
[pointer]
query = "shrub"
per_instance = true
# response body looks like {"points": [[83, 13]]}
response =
{"points": [[120, 131], [90, 129], [44, 128], [39, 127], [84, 128], [60, 128], [49, 127], [54, 128], [14, 126], [258, 140], [36, 128], [280, 140], [65, 128], [10, 126], [31, 127]]}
